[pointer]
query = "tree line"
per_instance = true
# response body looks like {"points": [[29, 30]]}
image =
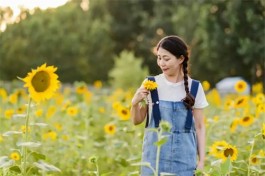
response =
{"points": [[226, 38]]}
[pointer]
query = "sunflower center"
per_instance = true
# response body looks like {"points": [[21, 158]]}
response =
{"points": [[240, 101], [110, 128], [228, 152], [41, 81], [124, 112], [254, 160], [245, 119]]}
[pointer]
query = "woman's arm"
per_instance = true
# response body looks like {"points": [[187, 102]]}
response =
{"points": [[200, 133], [138, 112]]}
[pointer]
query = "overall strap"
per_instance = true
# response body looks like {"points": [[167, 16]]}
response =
{"points": [[155, 102], [194, 90]]}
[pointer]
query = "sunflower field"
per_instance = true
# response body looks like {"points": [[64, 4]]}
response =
{"points": [[48, 128]]}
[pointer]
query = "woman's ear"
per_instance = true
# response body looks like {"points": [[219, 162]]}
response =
{"points": [[181, 59]]}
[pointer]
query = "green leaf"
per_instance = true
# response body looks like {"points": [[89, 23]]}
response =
{"points": [[46, 167], [9, 133], [136, 173], [106, 174], [141, 164], [198, 172], [15, 169], [38, 156], [5, 162], [123, 162], [162, 141], [216, 162], [255, 169], [29, 144], [226, 166], [39, 124]]}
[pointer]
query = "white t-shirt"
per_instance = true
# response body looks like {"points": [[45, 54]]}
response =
{"points": [[169, 91]]}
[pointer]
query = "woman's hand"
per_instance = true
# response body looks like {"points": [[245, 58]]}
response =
{"points": [[200, 165], [139, 95], [138, 113]]}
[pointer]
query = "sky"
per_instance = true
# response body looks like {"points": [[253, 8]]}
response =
{"points": [[43, 4], [29, 4]]}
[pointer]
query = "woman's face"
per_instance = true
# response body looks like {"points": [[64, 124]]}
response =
{"points": [[168, 63]]}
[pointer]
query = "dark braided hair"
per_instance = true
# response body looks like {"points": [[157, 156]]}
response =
{"points": [[176, 46]]}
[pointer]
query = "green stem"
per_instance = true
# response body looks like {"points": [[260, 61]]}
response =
{"points": [[24, 150], [229, 167], [158, 152], [251, 151], [97, 169], [157, 159]]}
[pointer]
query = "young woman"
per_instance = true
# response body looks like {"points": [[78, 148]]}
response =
{"points": [[178, 100]]}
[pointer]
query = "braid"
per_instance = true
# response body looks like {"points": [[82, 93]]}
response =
{"points": [[189, 99], [185, 71]]}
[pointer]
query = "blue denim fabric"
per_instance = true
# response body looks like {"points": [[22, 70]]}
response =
{"points": [[178, 154]]}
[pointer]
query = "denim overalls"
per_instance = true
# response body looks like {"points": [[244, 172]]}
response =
{"points": [[178, 154]]}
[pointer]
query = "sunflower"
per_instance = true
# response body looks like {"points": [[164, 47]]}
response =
{"points": [[1, 138], [13, 99], [50, 135], [259, 99], [217, 148], [229, 151], [81, 89], [240, 86], [214, 97], [261, 153], [229, 104], [246, 120], [206, 85], [254, 160], [72, 111], [65, 137], [51, 111], [257, 88], [42, 82], [116, 105], [97, 84], [38, 112], [101, 110], [110, 129], [58, 126], [9, 113], [3, 94], [124, 113], [234, 125], [88, 96], [21, 109], [260, 109], [150, 85], [241, 102], [23, 129], [15, 156]]}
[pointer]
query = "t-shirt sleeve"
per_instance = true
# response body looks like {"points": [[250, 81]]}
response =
{"points": [[200, 100]]}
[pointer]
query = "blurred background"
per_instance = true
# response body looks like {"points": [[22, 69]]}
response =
{"points": [[86, 38]]}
